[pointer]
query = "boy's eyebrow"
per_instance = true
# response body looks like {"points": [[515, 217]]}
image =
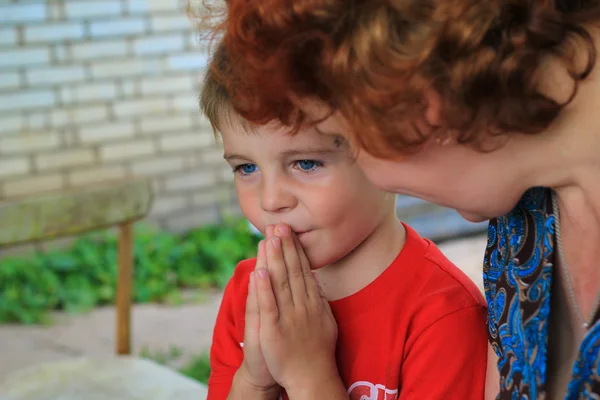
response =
{"points": [[230, 156], [289, 153]]}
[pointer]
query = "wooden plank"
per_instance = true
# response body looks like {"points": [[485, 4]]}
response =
{"points": [[75, 212], [124, 288]]}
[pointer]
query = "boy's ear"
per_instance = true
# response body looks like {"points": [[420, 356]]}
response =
{"points": [[433, 111]]}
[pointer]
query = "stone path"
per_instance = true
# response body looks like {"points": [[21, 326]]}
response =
{"points": [[188, 327]]}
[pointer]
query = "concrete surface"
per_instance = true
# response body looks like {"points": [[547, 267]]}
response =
{"points": [[100, 379]]}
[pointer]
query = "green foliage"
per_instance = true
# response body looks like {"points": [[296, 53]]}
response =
{"points": [[83, 276], [197, 367]]}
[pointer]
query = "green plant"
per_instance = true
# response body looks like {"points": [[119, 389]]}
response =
{"points": [[198, 368], [162, 357], [83, 276]]}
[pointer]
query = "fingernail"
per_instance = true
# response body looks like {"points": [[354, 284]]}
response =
{"points": [[262, 273], [283, 230], [276, 242]]}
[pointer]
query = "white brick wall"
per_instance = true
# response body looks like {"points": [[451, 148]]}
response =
{"points": [[99, 90]]}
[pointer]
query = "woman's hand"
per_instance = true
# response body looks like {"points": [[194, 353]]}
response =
{"points": [[298, 332]]}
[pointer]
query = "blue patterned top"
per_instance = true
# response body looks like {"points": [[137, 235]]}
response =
{"points": [[518, 279]]}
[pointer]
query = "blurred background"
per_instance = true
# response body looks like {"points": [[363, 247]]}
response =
{"points": [[94, 94]]}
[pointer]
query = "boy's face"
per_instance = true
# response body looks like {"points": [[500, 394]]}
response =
{"points": [[308, 181]]}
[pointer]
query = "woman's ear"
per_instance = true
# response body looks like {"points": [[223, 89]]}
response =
{"points": [[433, 110]]}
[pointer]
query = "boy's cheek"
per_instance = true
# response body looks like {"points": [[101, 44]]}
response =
{"points": [[251, 209]]}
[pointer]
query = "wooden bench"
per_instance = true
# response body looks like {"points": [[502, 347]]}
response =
{"points": [[40, 218]]}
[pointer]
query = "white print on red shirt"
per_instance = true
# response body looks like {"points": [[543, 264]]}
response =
{"points": [[368, 391]]}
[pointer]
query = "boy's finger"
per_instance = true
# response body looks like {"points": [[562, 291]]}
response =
{"points": [[261, 257], [292, 262], [267, 305], [311, 286], [269, 231], [278, 274], [252, 323]]}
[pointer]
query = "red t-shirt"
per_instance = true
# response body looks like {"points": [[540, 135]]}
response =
{"points": [[416, 332]]}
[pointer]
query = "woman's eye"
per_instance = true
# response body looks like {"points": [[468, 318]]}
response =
{"points": [[246, 169], [308, 165]]}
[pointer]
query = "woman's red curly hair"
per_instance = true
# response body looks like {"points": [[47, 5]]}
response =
{"points": [[372, 59]]}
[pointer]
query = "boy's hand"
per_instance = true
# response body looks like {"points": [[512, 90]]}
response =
{"points": [[254, 370], [298, 332]]}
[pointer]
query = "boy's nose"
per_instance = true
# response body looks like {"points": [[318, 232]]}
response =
{"points": [[277, 197]]}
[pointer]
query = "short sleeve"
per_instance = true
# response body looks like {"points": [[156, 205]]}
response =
{"points": [[448, 359], [226, 353]]}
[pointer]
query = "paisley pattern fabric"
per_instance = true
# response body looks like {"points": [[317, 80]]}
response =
{"points": [[518, 269]]}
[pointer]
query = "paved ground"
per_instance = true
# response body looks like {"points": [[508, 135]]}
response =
{"points": [[188, 327]]}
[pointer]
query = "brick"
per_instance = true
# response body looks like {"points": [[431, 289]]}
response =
{"points": [[56, 11], [125, 68], [36, 121], [193, 140], [78, 115], [55, 75], [213, 157], [156, 166], [126, 150], [24, 57], [85, 114], [9, 80], [25, 143], [106, 132], [186, 102], [96, 175], [158, 44], [129, 87], [173, 84], [168, 204], [13, 166], [22, 13], [117, 27], [165, 124], [177, 22], [145, 6], [190, 180], [54, 32], [86, 9], [64, 159], [33, 185], [60, 53], [102, 49], [89, 92], [11, 124], [208, 197], [190, 61], [26, 100], [129, 108], [225, 174], [193, 219], [8, 36]]}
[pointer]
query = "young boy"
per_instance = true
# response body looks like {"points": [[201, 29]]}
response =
{"points": [[400, 321]]}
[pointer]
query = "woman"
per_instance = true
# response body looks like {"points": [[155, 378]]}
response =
{"points": [[491, 107]]}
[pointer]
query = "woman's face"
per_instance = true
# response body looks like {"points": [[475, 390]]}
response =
{"points": [[479, 185]]}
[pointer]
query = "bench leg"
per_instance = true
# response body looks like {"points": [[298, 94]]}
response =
{"points": [[124, 288]]}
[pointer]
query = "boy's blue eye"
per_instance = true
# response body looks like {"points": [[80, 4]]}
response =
{"points": [[307, 165], [248, 168]]}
